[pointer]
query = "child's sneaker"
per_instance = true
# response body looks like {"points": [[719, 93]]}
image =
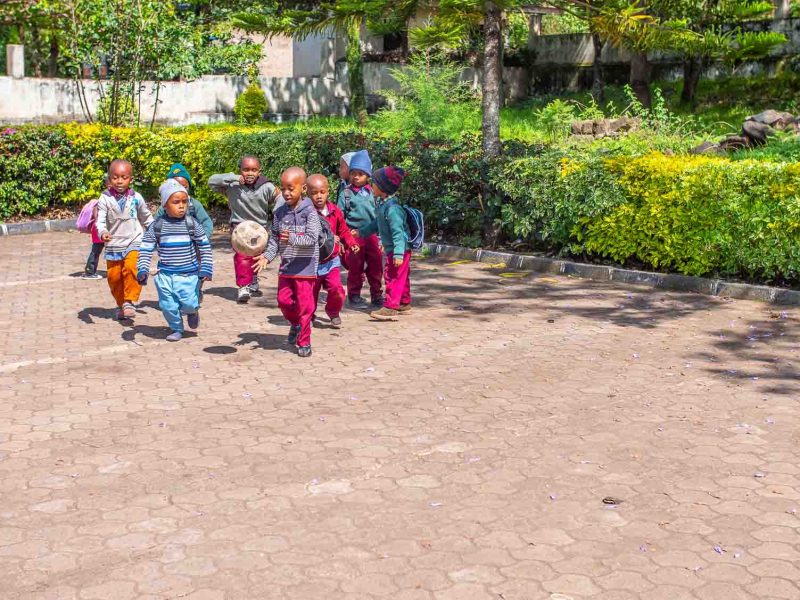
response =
{"points": [[193, 320], [404, 309], [255, 289], [120, 316], [385, 314], [357, 302], [304, 351], [377, 302], [244, 295], [175, 336], [336, 322], [128, 311], [294, 331], [91, 276]]}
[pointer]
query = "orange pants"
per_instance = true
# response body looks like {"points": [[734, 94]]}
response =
{"points": [[122, 279]]}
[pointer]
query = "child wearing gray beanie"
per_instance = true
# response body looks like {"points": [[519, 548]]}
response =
{"points": [[183, 260]]}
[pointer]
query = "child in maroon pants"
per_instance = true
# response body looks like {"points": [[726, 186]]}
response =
{"points": [[390, 222], [329, 276], [295, 237], [358, 205], [249, 196]]}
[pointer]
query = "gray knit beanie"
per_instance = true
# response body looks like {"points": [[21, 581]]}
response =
{"points": [[169, 187]]}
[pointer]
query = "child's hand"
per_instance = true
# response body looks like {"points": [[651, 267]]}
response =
{"points": [[355, 249], [260, 264], [106, 237], [206, 278], [336, 239], [354, 232], [398, 261], [241, 180], [141, 277]]}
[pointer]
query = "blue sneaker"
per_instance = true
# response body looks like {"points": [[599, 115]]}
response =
{"points": [[193, 320]]}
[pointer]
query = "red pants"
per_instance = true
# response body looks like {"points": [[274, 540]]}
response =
{"points": [[331, 283], [296, 301], [366, 261], [243, 267], [398, 282]]}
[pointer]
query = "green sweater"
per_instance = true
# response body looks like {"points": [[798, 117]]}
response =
{"points": [[390, 223], [358, 207]]}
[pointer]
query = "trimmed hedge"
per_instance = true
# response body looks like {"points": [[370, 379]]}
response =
{"points": [[693, 215]]}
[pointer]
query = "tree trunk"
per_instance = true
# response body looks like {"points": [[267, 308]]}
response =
{"points": [[598, 85], [492, 79], [783, 9], [52, 64], [641, 73], [355, 73], [692, 69]]}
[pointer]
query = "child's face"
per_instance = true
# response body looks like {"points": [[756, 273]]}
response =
{"points": [[250, 170], [293, 188], [183, 181], [318, 191], [377, 191], [358, 178], [344, 171], [120, 176], [177, 204]]}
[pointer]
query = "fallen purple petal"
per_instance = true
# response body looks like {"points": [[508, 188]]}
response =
{"points": [[719, 550]]}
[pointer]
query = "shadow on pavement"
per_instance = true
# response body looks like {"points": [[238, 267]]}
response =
{"points": [[87, 315]]}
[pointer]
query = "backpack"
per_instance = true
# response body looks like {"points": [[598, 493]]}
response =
{"points": [[86, 219], [416, 226], [328, 248]]}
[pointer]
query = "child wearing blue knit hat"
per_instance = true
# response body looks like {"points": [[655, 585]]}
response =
{"points": [[358, 205]]}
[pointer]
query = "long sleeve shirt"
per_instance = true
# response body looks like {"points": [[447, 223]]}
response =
{"points": [[358, 206], [123, 216], [391, 224], [198, 212], [179, 250], [300, 253], [247, 203]]}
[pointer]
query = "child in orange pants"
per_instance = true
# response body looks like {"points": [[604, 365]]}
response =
{"points": [[121, 215]]}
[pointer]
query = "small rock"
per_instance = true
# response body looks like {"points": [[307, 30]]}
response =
{"points": [[707, 148], [757, 132], [776, 119]]}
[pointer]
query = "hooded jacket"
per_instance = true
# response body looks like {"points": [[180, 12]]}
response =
{"points": [[300, 255]]}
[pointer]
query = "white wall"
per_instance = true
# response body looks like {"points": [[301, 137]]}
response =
{"points": [[205, 100]]}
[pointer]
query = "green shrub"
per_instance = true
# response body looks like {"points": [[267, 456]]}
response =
{"points": [[38, 169], [126, 115], [251, 105]]}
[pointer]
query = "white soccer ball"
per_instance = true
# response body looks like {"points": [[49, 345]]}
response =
{"points": [[249, 238]]}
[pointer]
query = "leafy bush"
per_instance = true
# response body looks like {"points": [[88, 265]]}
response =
{"points": [[433, 103], [251, 105], [38, 169], [126, 111]]}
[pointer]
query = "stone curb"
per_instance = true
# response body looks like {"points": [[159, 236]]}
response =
{"points": [[37, 227], [667, 281]]}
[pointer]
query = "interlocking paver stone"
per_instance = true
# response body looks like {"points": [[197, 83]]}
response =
{"points": [[462, 452]]}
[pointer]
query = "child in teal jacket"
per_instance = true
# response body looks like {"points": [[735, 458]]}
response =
{"points": [[391, 224]]}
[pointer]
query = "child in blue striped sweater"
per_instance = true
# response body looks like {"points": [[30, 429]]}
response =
{"points": [[184, 258]]}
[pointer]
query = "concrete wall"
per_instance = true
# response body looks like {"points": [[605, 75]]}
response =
{"points": [[205, 100], [563, 62]]}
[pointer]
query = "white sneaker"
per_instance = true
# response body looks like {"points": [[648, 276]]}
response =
{"points": [[254, 287], [244, 295]]}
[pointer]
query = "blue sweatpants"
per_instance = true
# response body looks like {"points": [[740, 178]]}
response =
{"points": [[178, 295]]}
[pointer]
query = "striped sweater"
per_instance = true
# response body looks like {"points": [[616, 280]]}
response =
{"points": [[300, 255], [177, 250]]}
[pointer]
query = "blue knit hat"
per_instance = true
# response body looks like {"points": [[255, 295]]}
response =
{"points": [[178, 170], [361, 162]]}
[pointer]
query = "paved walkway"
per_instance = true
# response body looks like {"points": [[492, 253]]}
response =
{"points": [[463, 453]]}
